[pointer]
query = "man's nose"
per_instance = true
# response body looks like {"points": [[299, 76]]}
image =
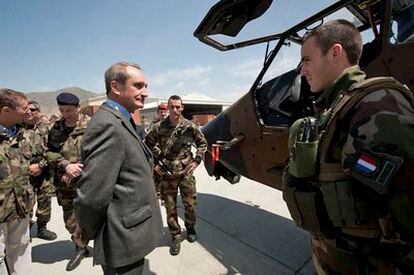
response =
{"points": [[144, 92], [303, 71]]}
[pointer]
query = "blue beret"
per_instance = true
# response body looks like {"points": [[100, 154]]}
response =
{"points": [[67, 99]]}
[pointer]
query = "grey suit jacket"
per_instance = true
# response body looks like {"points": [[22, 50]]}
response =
{"points": [[116, 203]]}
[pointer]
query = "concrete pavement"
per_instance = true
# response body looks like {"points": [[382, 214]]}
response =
{"points": [[242, 229]]}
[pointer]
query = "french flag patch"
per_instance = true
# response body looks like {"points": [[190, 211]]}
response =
{"points": [[365, 164]]}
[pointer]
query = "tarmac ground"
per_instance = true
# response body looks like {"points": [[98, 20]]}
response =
{"points": [[242, 229]]}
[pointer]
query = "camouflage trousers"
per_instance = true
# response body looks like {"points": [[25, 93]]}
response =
{"points": [[44, 194], [329, 259], [65, 197], [187, 186]]}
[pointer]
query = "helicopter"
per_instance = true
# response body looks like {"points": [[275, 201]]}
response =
{"points": [[250, 138]]}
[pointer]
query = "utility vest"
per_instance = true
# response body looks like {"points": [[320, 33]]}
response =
{"points": [[320, 196]]}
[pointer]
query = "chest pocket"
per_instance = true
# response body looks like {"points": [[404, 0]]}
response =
{"points": [[18, 159], [303, 148], [187, 139], [26, 149], [179, 142]]}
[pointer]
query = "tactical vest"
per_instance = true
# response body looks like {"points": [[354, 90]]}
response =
{"points": [[318, 193]]}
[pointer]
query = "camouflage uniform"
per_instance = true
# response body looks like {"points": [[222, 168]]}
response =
{"points": [[64, 148], [42, 184], [16, 201], [355, 229], [15, 191], [172, 146], [157, 178]]}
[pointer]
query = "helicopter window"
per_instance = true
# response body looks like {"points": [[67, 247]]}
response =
{"points": [[271, 95], [284, 95], [282, 100], [402, 24]]}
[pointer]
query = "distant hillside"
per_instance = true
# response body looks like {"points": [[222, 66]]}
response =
{"points": [[48, 99]]}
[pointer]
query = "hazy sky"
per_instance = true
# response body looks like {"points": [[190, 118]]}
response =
{"points": [[48, 45]]}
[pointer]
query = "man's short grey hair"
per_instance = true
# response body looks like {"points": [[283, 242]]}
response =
{"points": [[118, 72]]}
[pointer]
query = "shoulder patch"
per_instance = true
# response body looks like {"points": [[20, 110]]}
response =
{"points": [[376, 170]]}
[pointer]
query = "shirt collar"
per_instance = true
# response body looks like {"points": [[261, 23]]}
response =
{"points": [[116, 106], [9, 132], [3, 131], [348, 77], [180, 120]]}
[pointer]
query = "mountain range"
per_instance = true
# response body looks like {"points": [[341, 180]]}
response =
{"points": [[47, 100]]}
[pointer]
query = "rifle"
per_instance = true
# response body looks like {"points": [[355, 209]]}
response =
{"points": [[164, 168]]}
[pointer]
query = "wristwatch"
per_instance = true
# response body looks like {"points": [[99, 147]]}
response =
{"points": [[198, 159], [42, 164]]}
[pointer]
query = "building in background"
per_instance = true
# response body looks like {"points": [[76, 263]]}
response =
{"points": [[199, 109]]}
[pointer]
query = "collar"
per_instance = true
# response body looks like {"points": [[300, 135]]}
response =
{"points": [[181, 121], [28, 126], [9, 132], [4, 133], [116, 106], [2, 129], [348, 77]]}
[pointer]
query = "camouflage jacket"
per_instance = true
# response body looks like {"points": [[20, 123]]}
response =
{"points": [[16, 194], [382, 122], [37, 135], [172, 144], [63, 144]]}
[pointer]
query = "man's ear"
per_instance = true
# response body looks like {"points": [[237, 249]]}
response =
{"points": [[5, 109], [115, 87], [337, 51], [182, 107]]}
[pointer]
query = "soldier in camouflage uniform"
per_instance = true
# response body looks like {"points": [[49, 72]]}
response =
{"points": [[349, 180], [63, 155], [162, 114], [42, 184], [170, 141], [16, 193]]}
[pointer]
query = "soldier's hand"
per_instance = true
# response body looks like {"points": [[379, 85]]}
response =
{"points": [[191, 167], [35, 170], [74, 169], [66, 178], [158, 170]]}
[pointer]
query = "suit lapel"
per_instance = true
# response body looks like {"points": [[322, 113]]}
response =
{"points": [[127, 124], [144, 148]]}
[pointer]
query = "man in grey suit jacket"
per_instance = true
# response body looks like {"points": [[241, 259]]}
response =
{"points": [[116, 203]]}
